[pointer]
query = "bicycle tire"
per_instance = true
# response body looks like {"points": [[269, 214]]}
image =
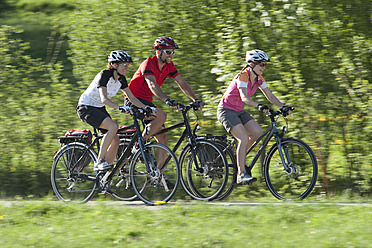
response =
{"points": [[301, 181], [154, 188], [233, 170], [121, 185], [74, 183], [206, 185]]}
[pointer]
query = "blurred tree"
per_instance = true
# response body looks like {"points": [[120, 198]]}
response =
{"points": [[321, 65]]}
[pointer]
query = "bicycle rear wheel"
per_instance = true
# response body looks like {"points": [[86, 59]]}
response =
{"points": [[300, 181], [233, 170], [72, 175], [210, 180], [121, 185], [160, 186]]}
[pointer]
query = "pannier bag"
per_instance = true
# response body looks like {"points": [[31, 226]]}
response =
{"points": [[125, 134], [83, 136]]}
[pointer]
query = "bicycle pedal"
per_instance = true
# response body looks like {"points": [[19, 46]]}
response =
{"points": [[104, 193]]}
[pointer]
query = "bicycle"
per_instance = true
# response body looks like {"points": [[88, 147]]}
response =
{"points": [[136, 169], [204, 168], [290, 167]]}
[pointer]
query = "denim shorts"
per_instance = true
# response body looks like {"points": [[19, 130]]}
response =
{"points": [[92, 115], [230, 118]]}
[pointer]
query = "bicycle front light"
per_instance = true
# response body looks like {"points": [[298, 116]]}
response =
{"points": [[197, 128], [284, 130]]}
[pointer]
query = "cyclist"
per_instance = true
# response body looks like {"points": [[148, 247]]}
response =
{"points": [[231, 114], [92, 105], [150, 76]]}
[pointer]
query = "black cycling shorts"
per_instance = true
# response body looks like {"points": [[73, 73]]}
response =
{"points": [[93, 116]]}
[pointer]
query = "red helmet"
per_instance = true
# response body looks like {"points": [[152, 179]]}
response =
{"points": [[164, 42]]}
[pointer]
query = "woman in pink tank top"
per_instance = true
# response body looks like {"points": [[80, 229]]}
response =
{"points": [[231, 112]]}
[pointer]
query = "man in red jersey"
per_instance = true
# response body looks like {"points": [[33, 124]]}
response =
{"points": [[148, 79]]}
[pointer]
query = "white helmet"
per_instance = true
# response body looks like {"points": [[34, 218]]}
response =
{"points": [[256, 56], [119, 56]]}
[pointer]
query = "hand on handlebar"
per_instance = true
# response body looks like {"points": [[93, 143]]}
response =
{"points": [[172, 103], [151, 111], [286, 110], [124, 109], [198, 104], [263, 108]]}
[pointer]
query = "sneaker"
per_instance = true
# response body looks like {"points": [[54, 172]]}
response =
{"points": [[170, 185], [102, 165], [244, 178]]}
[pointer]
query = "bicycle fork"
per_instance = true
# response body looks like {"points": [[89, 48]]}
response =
{"points": [[286, 160]]}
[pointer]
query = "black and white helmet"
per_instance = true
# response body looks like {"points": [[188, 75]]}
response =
{"points": [[119, 56], [256, 56]]}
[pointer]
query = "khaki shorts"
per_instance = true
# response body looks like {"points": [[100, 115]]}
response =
{"points": [[230, 118]]}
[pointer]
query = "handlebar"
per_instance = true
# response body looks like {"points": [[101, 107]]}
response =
{"points": [[192, 105], [139, 113], [283, 112]]}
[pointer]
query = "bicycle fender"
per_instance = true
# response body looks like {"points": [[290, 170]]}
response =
{"points": [[70, 144]]}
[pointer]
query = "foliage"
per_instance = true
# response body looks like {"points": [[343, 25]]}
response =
{"points": [[321, 53]]}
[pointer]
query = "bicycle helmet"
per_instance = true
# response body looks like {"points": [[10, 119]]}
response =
{"points": [[164, 42], [119, 56], [256, 56]]}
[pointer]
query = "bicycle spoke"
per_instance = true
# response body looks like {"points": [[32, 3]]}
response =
{"points": [[72, 176], [158, 185], [209, 180], [299, 180]]}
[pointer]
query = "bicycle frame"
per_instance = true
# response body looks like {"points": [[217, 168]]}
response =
{"points": [[125, 155], [271, 131], [187, 132]]}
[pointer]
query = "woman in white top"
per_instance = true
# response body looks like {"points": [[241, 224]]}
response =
{"points": [[92, 105]]}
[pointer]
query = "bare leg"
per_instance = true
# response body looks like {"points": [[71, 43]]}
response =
{"points": [[154, 126], [112, 150], [242, 137], [246, 135], [254, 131], [109, 139]]}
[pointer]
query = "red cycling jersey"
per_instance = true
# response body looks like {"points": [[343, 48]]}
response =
{"points": [[150, 66]]}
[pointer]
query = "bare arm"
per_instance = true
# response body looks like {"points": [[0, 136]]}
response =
{"points": [[246, 99], [271, 97], [185, 87], [154, 87], [243, 91], [132, 98], [104, 98]]}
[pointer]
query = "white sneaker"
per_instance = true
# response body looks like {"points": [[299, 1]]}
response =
{"points": [[244, 178], [102, 165]]}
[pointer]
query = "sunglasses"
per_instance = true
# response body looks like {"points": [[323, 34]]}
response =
{"points": [[168, 52], [262, 64]]}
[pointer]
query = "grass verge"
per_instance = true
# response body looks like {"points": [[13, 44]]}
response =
{"points": [[182, 224]]}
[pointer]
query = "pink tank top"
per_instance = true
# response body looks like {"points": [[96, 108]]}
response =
{"points": [[231, 99]]}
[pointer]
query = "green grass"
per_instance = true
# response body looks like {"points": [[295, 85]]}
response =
{"points": [[182, 224]]}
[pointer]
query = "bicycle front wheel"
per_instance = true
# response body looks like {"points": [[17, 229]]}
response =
{"points": [[159, 185], [204, 178], [300, 179], [73, 178]]}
